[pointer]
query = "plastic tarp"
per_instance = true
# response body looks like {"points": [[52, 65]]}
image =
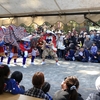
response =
{"points": [[32, 7]]}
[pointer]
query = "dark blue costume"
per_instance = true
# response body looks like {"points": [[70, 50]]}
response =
{"points": [[26, 45], [2, 43], [48, 41]]}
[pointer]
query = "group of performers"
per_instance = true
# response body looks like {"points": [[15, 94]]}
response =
{"points": [[46, 43]]}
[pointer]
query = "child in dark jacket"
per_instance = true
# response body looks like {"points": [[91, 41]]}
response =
{"points": [[46, 88], [70, 55], [7, 84], [18, 76], [98, 56], [76, 55], [94, 58], [83, 55]]}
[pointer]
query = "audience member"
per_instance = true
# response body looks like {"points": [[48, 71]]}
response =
{"points": [[93, 49], [77, 52], [72, 39], [60, 45], [70, 54], [87, 42], [69, 92], [83, 55], [81, 38], [36, 91], [98, 56], [7, 84], [46, 88], [91, 35], [97, 40], [18, 76]]}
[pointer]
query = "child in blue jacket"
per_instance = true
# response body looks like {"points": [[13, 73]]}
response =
{"points": [[70, 55], [7, 84], [18, 76]]}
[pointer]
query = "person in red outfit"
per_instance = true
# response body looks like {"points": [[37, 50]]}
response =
{"points": [[49, 43]]}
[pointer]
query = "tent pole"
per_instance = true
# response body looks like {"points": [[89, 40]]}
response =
{"points": [[56, 14], [91, 21]]}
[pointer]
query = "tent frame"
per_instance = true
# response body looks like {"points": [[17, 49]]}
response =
{"points": [[57, 14]]}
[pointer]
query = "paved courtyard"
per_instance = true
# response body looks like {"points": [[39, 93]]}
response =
{"points": [[85, 72]]}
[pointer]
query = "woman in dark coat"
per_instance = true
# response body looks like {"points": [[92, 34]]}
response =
{"points": [[69, 90]]}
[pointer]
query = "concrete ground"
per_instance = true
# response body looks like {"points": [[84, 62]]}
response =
{"points": [[85, 72]]}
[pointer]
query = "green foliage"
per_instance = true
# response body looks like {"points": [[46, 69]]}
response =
{"points": [[47, 23], [29, 29], [23, 25], [66, 27]]}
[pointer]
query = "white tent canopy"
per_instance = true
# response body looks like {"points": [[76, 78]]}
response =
{"points": [[39, 10]]}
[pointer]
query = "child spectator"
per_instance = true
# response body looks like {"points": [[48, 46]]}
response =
{"points": [[36, 91], [93, 53], [69, 92], [93, 49], [18, 76], [83, 55], [70, 54], [77, 52], [98, 56], [94, 58], [46, 88], [7, 84]]}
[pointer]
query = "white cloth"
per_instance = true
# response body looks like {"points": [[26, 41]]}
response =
{"points": [[60, 44], [97, 83], [81, 53], [25, 53], [11, 54], [34, 52]]}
